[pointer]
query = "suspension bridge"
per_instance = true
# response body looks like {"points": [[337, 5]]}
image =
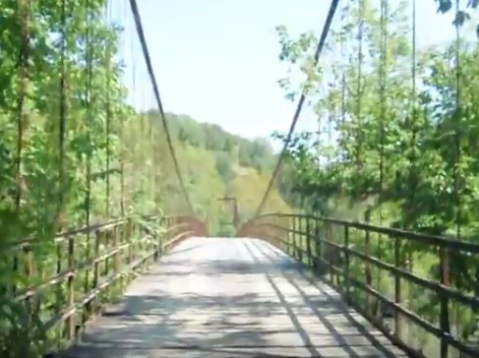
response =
{"points": [[103, 253]]}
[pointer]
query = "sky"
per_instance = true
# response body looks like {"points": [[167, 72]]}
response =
{"points": [[217, 60]]}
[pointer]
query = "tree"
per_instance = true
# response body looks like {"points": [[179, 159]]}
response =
{"points": [[407, 157]]}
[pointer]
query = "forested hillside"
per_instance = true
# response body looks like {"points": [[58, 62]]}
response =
{"points": [[216, 164]]}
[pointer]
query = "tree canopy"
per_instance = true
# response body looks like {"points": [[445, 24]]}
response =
{"points": [[75, 151], [396, 136]]}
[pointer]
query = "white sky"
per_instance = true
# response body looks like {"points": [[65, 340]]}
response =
{"points": [[217, 60]]}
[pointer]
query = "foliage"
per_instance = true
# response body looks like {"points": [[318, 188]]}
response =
{"points": [[216, 163], [74, 152], [404, 152], [256, 153]]}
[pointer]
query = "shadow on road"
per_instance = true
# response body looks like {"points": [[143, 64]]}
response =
{"points": [[258, 305]]}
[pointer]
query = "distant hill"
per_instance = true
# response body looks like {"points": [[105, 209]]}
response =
{"points": [[216, 163], [257, 153]]}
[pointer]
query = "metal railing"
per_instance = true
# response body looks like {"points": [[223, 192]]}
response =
{"points": [[57, 285], [381, 273]]}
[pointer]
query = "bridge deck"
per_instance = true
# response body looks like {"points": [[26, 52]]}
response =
{"points": [[230, 298]]}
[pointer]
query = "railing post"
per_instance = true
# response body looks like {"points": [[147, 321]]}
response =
{"points": [[317, 246], [86, 282], [134, 241], [166, 222], [171, 228], [367, 266], [308, 241], [96, 266], [293, 241], [397, 287], [444, 301], [346, 264], [70, 324], [299, 249], [119, 233], [59, 293], [330, 253], [160, 239], [289, 241], [116, 245], [29, 306], [106, 242], [285, 234]]}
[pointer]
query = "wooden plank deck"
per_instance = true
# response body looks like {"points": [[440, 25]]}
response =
{"points": [[215, 297]]}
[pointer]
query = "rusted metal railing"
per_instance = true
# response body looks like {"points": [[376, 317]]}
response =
{"points": [[401, 281], [59, 284]]}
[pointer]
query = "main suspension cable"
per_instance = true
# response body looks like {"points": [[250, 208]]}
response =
{"points": [[132, 50], [343, 68], [24, 20], [322, 40], [88, 57], [344, 64], [88, 105], [382, 97], [122, 157], [62, 116], [457, 128], [359, 93], [146, 53], [383, 102], [412, 170], [108, 117], [413, 121]]}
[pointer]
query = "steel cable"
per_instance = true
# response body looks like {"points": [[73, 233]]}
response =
{"points": [[322, 40], [359, 94], [457, 127], [413, 122], [146, 54]]}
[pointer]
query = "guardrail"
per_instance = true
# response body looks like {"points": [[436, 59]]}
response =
{"points": [[55, 286], [401, 281]]}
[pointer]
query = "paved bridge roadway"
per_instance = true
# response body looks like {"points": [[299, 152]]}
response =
{"points": [[215, 297]]}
